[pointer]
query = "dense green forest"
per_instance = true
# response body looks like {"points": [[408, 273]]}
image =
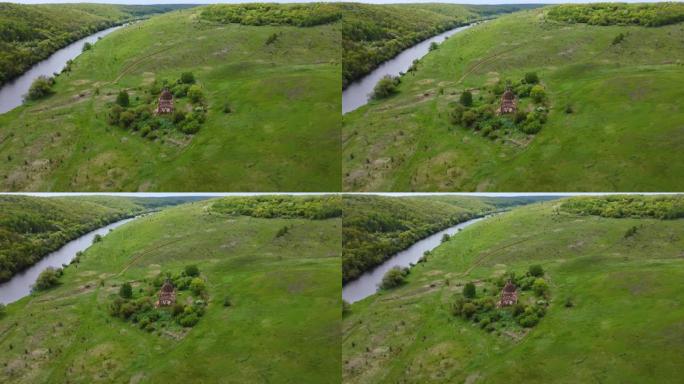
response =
{"points": [[31, 227], [376, 227], [286, 207], [31, 33], [372, 34], [627, 206], [300, 15], [649, 15]]}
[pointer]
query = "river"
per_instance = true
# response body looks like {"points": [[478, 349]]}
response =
{"points": [[367, 284], [12, 94], [20, 285], [358, 93]]}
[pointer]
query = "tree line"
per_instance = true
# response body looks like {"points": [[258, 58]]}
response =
{"points": [[627, 206], [287, 207], [299, 15], [648, 15]]}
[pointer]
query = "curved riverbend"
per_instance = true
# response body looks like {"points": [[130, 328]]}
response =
{"points": [[358, 93], [12, 94], [20, 285], [368, 283]]}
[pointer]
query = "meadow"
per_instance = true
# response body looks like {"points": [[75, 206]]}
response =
{"points": [[272, 112], [614, 116], [614, 310], [282, 324]]}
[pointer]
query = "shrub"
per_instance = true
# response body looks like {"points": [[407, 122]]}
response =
{"points": [[568, 302], [469, 290], [227, 302], [226, 108], [192, 270], [528, 321], [531, 78], [532, 127], [468, 118], [177, 309], [122, 98], [466, 98], [386, 87], [456, 114], [468, 310], [537, 93], [394, 278], [41, 87], [540, 287], [127, 118], [189, 320], [197, 286], [195, 94], [87, 46], [97, 238], [187, 78], [282, 231], [445, 237], [126, 291], [190, 127], [433, 46], [272, 38], [618, 39], [48, 279], [631, 232], [536, 270], [569, 109]]}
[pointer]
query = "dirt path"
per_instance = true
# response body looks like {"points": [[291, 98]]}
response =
{"points": [[129, 67], [486, 60], [147, 252]]}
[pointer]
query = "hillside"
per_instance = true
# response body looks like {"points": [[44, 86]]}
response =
{"points": [[611, 310], [256, 108], [31, 33], [31, 227], [608, 116], [376, 227], [372, 34], [270, 305]]}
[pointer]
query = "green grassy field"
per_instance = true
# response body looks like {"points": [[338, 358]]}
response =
{"points": [[625, 132], [283, 325], [625, 326], [282, 135]]}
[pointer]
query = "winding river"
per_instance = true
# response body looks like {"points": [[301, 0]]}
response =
{"points": [[20, 285], [367, 284], [358, 93], [12, 94]]}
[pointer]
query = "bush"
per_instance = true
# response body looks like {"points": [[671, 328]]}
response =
{"points": [[531, 78], [445, 237], [394, 278], [469, 290], [618, 39], [540, 287], [272, 38], [528, 321], [456, 114], [195, 94], [190, 127], [187, 78], [122, 98], [192, 270], [87, 46], [469, 118], [569, 109], [189, 320], [226, 108], [386, 87], [227, 302], [466, 98], [568, 302], [126, 119], [532, 127], [631, 232], [97, 238], [41, 87], [537, 93], [197, 286], [48, 279], [126, 291], [536, 270], [469, 310], [282, 231], [433, 46]]}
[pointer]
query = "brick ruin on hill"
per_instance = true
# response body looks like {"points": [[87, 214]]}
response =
{"points": [[509, 295], [508, 102], [165, 102], [167, 295]]}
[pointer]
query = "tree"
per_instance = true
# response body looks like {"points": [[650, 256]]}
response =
{"points": [[192, 270], [469, 290], [537, 93], [41, 87], [466, 98], [187, 78], [122, 98], [48, 278], [126, 291], [195, 93], [386, 87], [531, 78], [87, 46], [445, 237], [97, 238], [394, 278], [468, 310], [540, 287], [197, 286], [536, 270], [433, 46]]}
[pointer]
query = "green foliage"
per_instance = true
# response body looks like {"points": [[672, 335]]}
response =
{"points": [[386, 87], [31, 33], [122, 99], [289, 207], [187, 78], [87, 46], [300, 15], [395, 277], [126, 291], [195, 93], [649, 15], [191, 270], [197, 286], [538, 93], [540, 287], [376, 227], [433, 46], [623, 206], [97, 238], [282, 231], [536, 270], [48, 279], [466, 98], [531, 78], [631, 231], [272, 38], [618, 39], [445, 238], [227, 302], [469, 291], [40, 88]]}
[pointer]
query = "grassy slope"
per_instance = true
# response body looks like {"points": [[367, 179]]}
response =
{"points": [[283, 134], [284, 322], [626, 325], [625, 133]]}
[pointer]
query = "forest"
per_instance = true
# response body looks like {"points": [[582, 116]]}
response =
{"points": [[648, 15], [31, 227], [627, 206], [286, 207], [299, 15], [372, 34], [31, 33]]}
